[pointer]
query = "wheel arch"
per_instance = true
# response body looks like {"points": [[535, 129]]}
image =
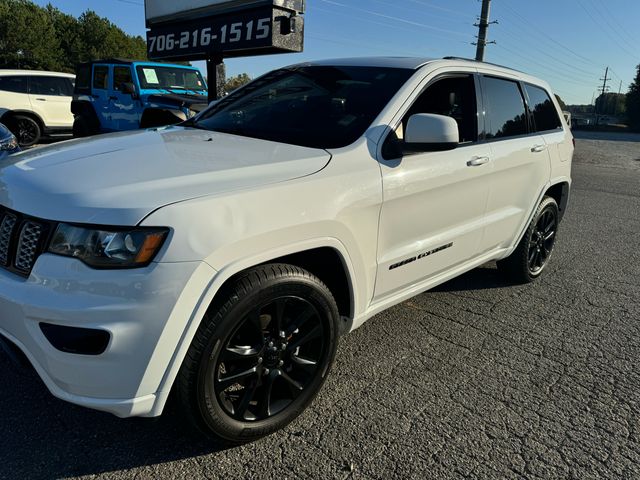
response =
{"points": [[329, 250], [26, 113], [560, 192]]}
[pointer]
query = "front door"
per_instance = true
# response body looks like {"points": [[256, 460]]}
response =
{"points": [[432, 216], [125, 110]]}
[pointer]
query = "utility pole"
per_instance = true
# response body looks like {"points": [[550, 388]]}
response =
{"points": [[483, 27], [603, 90]]}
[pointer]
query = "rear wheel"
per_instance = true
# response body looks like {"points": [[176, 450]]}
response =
{"points": [[532, 255], [260, 358], [26, 129], [83, 127]]}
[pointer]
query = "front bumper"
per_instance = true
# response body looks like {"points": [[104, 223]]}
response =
{"points": [[145, 312]]}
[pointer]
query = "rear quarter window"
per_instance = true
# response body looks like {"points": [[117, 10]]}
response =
{"points": [[83, 79], [506, 115], [545, 114], [101, 77]]}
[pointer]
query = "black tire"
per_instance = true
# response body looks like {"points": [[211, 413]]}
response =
{"points": [[26, 129], [530, 258], [261, 355], [83, 127]]}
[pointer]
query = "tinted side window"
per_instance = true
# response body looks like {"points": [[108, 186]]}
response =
{"points": [[544, 111], [506, 114], [121, 75], [54, 86], [453, 97], [15, 84], [101, 77], [83, 78]]}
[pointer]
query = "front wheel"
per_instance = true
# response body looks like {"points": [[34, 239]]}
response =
{"points": [[532, 255], [261, 356]]}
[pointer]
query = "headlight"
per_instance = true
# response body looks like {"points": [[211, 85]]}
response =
{"points": [[8, 144], [98, 248]]}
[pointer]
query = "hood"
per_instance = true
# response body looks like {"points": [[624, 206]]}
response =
{"points": [[118, 179], [197, 103]]}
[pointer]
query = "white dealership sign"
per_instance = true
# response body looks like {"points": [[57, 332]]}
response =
{"points": [[163, 10]]}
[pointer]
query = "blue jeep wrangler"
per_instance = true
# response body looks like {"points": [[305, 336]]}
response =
{"points": [[116, 95]]}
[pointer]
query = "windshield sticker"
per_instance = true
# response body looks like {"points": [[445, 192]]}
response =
{"points": [[151, 76]]}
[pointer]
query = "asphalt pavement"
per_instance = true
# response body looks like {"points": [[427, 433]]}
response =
{"points": [[477, 379]]}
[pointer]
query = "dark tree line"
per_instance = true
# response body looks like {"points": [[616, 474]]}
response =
{"points": [[633, 103], [34, 37]]}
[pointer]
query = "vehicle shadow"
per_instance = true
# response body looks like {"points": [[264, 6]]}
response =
{"points": [[485, 277], [42, 437]]}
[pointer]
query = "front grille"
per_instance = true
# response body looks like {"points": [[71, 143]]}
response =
{"points": [[6, 229], [22, 240]]}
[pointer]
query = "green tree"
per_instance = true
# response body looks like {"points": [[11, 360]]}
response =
{"points": [[27, 36], [35, 37], [233, 83], [633, 103], [611, 104]]}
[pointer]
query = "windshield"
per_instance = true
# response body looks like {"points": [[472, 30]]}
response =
{"points": [[313, 106], [170, 78]]}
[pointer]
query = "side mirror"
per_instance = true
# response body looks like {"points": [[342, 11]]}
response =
{"points": [[129, 88], [427, 132]]}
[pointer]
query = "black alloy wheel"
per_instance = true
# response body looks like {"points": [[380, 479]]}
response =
{"points": [[542, 241], [261, 354], [531, 256], [269, 360], [26, 130]]}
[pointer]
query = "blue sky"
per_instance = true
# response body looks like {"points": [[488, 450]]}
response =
{"points": [[568, 43]]}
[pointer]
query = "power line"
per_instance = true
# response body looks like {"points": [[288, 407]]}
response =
{"points": [[604, 13], [542, 34], [598, 24], [397, 19]]}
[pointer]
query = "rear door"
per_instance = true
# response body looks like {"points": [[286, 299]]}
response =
{"points": [[51, 99], [14, 93], [100, 84], [521, 166], [432, 217]]}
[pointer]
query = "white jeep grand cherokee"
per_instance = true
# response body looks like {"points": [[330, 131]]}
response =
{"points": [[222, 259]]}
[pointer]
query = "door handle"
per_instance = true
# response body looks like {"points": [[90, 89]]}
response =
{"points": [[41, 99], [538, 148], [478, 161], [113, 98]]}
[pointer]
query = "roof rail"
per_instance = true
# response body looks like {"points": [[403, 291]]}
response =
{"points": [[484, 63]]}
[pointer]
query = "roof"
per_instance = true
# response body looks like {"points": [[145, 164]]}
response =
{"points": [[412, 63], [124, 61], [389, 62], [36, 72]]}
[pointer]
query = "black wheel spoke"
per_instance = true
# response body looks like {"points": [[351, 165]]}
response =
{"points": [[296, 385], [264, 403], [278, 321], [226, 382], [235, 353], [248, 395], [312, 334], [306, 315], [305, 364]]}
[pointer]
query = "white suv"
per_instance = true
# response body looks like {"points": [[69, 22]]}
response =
{"points": [[34, 103], [222, 259]]}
